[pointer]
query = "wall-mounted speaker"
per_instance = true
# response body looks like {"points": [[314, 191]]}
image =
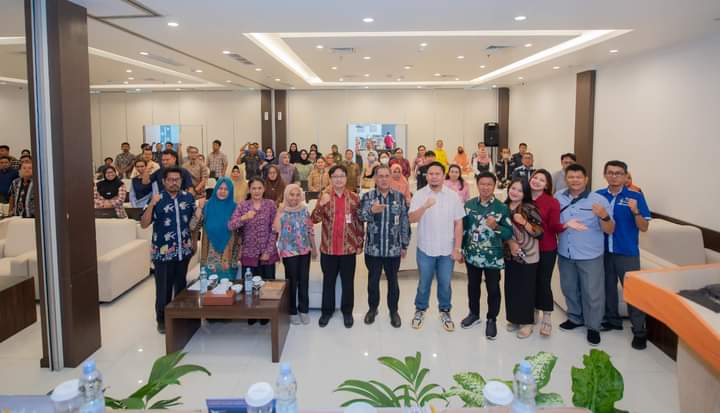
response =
{"points": [[492, 134]]}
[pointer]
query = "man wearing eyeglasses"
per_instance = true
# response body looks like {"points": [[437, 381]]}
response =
{"points": [[622, 254]]}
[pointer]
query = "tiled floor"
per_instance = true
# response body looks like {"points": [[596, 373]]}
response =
{"points": [[238, 354]]}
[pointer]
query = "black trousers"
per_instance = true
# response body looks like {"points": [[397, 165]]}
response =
{"points": [[492, 284], [375, 266], [332, 265], [297, 274], [170, 277], [520, 282], [543, 288], [266, 272]]}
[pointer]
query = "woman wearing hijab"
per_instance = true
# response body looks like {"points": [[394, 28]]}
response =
{"points": [[288, 172], [462, 160], [270, 159], [240, 185], [398, 181], [294, 153], [274, 185], [110, 192], [304, 167], [481, 161], [219, 251]]}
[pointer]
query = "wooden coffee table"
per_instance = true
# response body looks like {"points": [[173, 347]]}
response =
{"points": [[17, 305], [184, 313]]}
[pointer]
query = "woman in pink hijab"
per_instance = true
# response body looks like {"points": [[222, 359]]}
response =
{"points": [[398, 182]]}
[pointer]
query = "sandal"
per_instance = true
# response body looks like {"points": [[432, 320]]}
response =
{"points": [[511, 327], [545, 328], [525, 332]]}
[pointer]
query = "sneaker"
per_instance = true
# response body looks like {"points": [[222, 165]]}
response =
{"points": [[639, 343], [605, 326], [395, 320], [417, 321], [525, 331], [348, 320], [324, 320], [512, 327], [447, 322], [294, 319], [161, 327], [490, 330], [304, 318], [370, 316], [569, 325], [593, 337], [470, 321]]}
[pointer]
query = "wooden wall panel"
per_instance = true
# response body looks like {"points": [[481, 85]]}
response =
{"points": [[281, 142], [503, 116], [265, 119], [585, 119]]}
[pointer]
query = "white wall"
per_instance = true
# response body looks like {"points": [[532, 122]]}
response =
{"points": [[457, 116], [657, 111], [14, 119], [232, 117]]}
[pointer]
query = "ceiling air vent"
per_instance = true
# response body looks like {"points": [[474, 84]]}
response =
{"points": [[496, 47], [342, 50], [240, 59], [166, 60]]}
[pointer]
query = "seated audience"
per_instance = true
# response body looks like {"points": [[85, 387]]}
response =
{"points": [[294, 153], [110, 192], [100, 172], [140, 193], [319, 178], [504, 168], [461, 159], [481, 161], [454, 181], [517, 157], [150, 165], [304, 167], [288, 172], [5, 152], [314, 147], [22, 194], [7, 175], [440, 154], [525, 170], [558, 177], [251, 158], [274, 185], [336, 157]]}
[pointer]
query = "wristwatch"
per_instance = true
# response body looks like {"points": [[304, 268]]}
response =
{"points": [[607, 218]]}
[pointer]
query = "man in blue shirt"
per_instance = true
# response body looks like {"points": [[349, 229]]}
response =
{"points": [[387, 238], [172, 243], [622, 254], [584, 215], [169, 159], [7, 176]]}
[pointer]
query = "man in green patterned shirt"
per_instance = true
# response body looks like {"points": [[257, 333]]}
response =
{"points": [[485, 227]]}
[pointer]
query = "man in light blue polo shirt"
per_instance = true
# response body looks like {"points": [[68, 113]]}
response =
{"points": [[631, 215], [584, 215]]}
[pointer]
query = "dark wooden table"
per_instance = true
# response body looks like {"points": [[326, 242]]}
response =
{"points": [[184, 314], [17, 305]]}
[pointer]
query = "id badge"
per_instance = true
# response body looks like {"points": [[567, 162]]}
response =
{"points": [[348, 218], [397, 220], [475, 237]]}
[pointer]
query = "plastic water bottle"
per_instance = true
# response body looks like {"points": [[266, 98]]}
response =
{"points": [[248, 282], [285, 396], [524, 388], [203, 280], [91, 388]]}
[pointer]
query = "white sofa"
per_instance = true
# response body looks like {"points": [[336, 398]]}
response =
{"points": [[664, 245], [17, 247]]}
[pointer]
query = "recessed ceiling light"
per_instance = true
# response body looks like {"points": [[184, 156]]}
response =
{"points": [[137, 90], [177, 88], [197, 70], [128, 71], [292, 87], [423, 44], [457, 78], [528, 44], [614, 51], [556, 67], [179, 81], [333, 68], [252, 88], [144, 53], [419, 87], [407, 67], [277, 79], [437, 74], [367, 57], [228, 81], [367, 75], [482, 66], [368, 20], [131, 78], [125, 82], [461, 57], [258, 69], [173, 24], [341, 79], [520, 18], [367, 87], [399, 79], [494, 86], [520, 78], [319, 46], [226, 52]]}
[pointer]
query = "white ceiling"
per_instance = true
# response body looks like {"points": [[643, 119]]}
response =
{"points": [[208, 28]]}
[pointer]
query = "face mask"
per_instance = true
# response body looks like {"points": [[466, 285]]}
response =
{"points": [[384, 161]]}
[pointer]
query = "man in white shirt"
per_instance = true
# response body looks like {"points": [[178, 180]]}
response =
{"points": [[438, 211]]}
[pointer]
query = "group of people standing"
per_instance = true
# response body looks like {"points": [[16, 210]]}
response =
{"points": [[16, 183]]}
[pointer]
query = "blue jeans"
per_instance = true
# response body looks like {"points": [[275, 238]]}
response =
{"points": [[428, 267]]}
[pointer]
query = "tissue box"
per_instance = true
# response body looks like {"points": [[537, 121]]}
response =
{"points": [[219, 299]]}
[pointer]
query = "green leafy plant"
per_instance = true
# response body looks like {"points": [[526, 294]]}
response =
{"points": [[598, 385], [165, 372], [470, 384], [410, 393]]}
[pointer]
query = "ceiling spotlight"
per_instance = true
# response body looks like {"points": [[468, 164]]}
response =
{"points": [[457, 78], [528, 44], [407, 67], [494, 86], [333, 67], [341, 79], [482, 66], [419, 87], [437, 74], [128, 71], [520, 18], [461, 57], [520, 78], [131, 78], [258, 69], [556, 67], [137, 90], [399, 79], [614, 51], [292, 87], [277, 79], [319, 46], [178, 89], [144, 53], [368, 20], [226, 52], [367, 57], [367, 87], [228, 81], [367, 75], [197, 70], [173, 24], [125, 82], [179, 81], [423, 44]]}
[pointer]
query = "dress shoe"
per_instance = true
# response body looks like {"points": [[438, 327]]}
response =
{"points": [[370, 316], [395, 320]]}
